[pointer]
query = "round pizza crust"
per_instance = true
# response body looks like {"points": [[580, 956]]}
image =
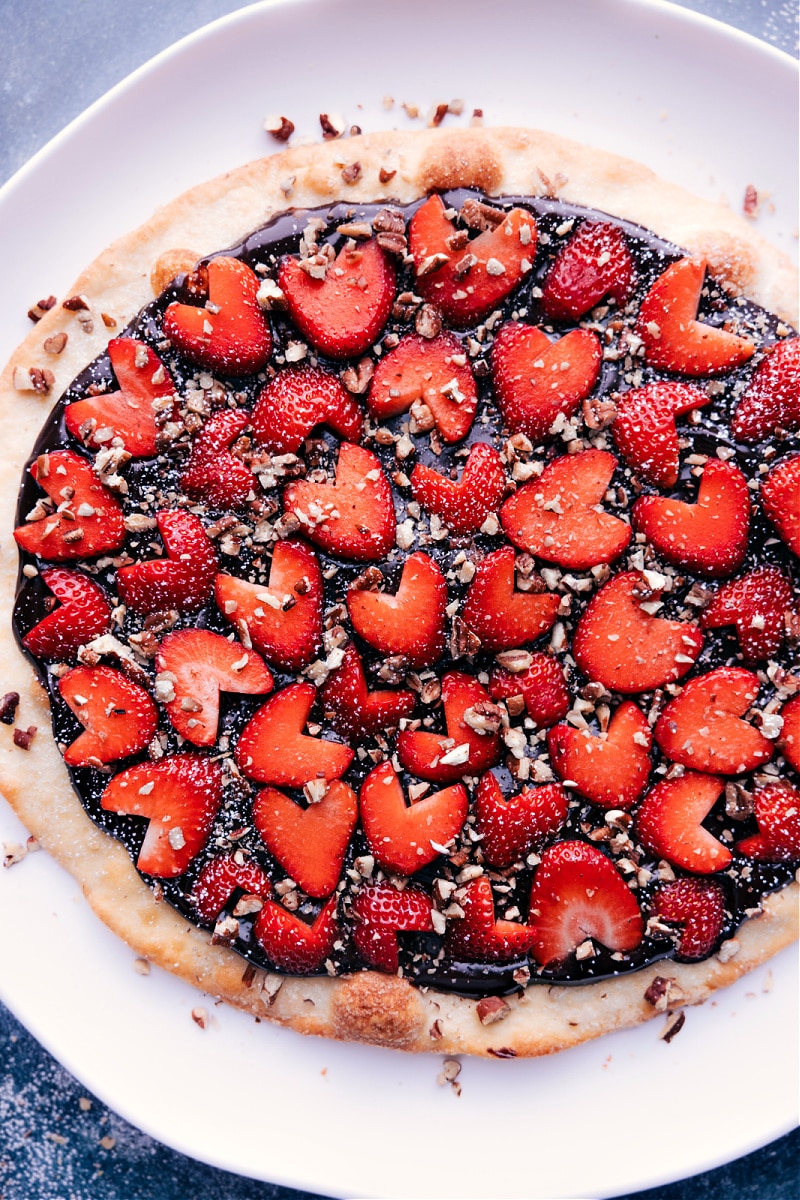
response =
{"points": [[400, 167]]}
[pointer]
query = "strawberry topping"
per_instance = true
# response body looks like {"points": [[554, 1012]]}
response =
{"points": [[84, 518], [481, 936], [500, 616], [540, 686], [430, 373], [118, 716], [789, 741], [777, 811], [702, 728], [593, 264], [229, 332], [772, 398], [354, 710], [464, 506], [757, 604], [669, 823], [184, 579], [381, 912], [511, 828], [405, 837], [292, 944], [309, 843], [83, 614], [296, 401], [272, 747], [408, 622], [610, 770], [213, 473], [698, 906], [223, 876], [472, 743], [780, 497], [644, 428]]}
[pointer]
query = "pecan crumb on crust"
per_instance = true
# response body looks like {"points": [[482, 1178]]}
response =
{"points": [[491, 1009], [8, 707], [55, 344], [24, 737]]}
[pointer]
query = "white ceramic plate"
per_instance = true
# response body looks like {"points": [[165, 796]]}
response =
{"points": [[630, 1111]]}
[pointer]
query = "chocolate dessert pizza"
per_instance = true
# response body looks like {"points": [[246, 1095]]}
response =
{"points": [[401, 612]]}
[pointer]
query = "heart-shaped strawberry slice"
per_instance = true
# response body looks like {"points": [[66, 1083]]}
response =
{"points": [[789, 741], [404, 838], [344, 312], [777, 811], [381, 912], [674, 339], [184, 579], [220, 878], [536, 380], [229, 333], [464, 506], [610, 770], [83, 614], [272, 747], [480, 936], [757, 604], [593, 264], [434, 372], [702, 728], [283, 619], [408, 622], [296, 401], [500, 616], [780, 497], [772, 397], [355, 711], [87, 519], [118, 716], [511, 828], [669, 823], [557, 516], [146, 392], [213, 474], [354, 515], [644, 428], [181, 796], [698, 906], [309, 843], [292, 944], [472, 742], [539, 688]]}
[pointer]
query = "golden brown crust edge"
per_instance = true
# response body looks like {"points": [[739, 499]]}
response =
{"points": [[367, 1007]]}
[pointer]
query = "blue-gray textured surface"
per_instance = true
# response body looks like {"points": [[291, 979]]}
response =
{"points": [[56, 1141]]}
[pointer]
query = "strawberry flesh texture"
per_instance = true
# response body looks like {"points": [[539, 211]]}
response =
{"points": [[702, 727], [233, 336], [777, 810], [203, 664], [403, 838], [213, 474], [409, 622], [220, 878], [273, 749], [345, 312], [463, 506], [354, 710], [352, 517], [669, 823], [644, 428], [500, 616], [182, 804], [611, 771], [309, 843], [541, 685], [422, 752], [466, 298], [479, 936], [70, 482], [127, 413], [532, 385], [184, 579], [619, 644], [698, 906], [83, 614], [789, 740], [381, 912], [296, 401], [556, 516], [578, 893], [284, 618], [431, 371], [757, 605], [291, 943], [593, 264], [674, 340], [780, 499], [118, 716], [510, 829], [772, 398]]}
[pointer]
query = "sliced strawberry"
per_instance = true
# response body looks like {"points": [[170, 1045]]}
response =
{"points": [[511, 828], [709, 537], [777, 810], [593, 264], [181, 796], [184, 579], [83, 614], [644, 428], [432, 371], [309, 843], [223, 876], [296, 401], [500, 616], [87, 519], [355, 711], [466, 284], [118, 716], [577, 894], [354, 515], [772, 397], [408, 622], [702, 727], [472, 742], [780, 498], [669, 823], [557, 517], [291, 943], [200, 664], [381, 912], [343, 313], [626, 647], [789, 741], [463, 506], [212, 473], [272, 747], [674, 339], [537, 380], [282, 619], [127, 413], [229, 333], [405, 838], [757, 605], [541, 685], [610, 770], [479, 936], [698, 906]]}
